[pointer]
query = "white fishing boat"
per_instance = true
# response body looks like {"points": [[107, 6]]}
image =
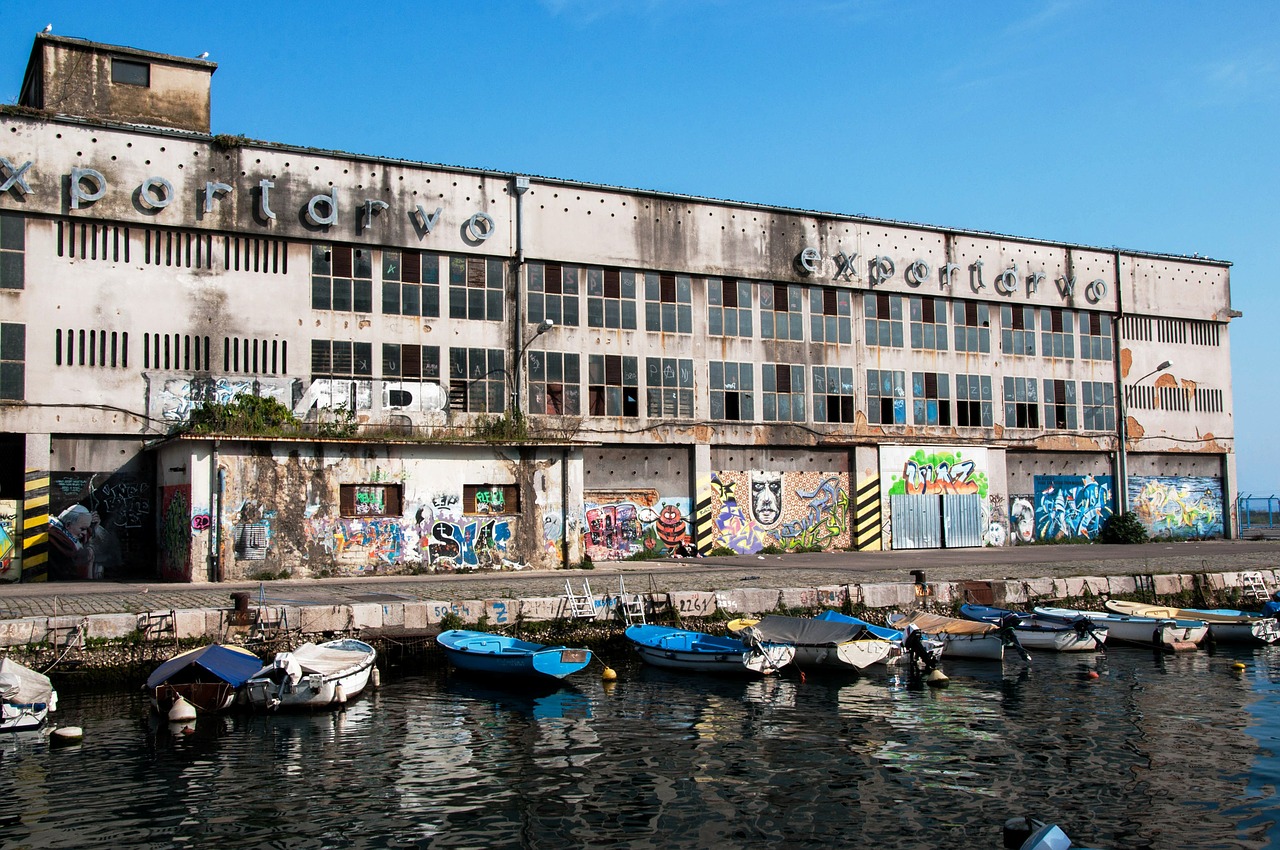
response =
{"points": [[1225, 624], [698, 652], [313, 676], [26, 697], [1163, 633]]}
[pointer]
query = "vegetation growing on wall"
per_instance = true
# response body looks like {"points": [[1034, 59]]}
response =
{"points": [[1123, 528], [245, 415]]}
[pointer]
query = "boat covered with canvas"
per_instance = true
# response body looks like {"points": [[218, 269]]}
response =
{"points": [[930, 649], [1034, 632], [962, 638], [819, 644], [26, 697], [1164, 633], [699, 652], [313, 675], [1228, 625], [208, 678], [503, 656]]}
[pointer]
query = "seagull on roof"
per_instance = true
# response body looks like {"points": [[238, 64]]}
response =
{"points": [[47, 28], [204, 55]]}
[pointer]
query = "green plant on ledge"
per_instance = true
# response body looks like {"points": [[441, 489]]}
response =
{"points": [[451, 621], [510, 427], [1123, 528], [244, 415]]}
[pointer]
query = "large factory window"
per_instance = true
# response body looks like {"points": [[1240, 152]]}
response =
{"points": [[1018, 330], [782, 312], [478, 380], [553, 292], [883, 314], [1060, 405], [613, 385], [973, 401], [611, 299], [670, 387], [782, 386], [973, 326], [886, 397], [668, 303], [12, 250], [1021, 403], [829, 315], [729, 307], [411, 283], [1095, 336], [833, 392], [341, 278], [1098, 400], [13, 356], [732, 391], [476, 289], [555, 383], [930, 398], [928, 323], [1057, 332]]}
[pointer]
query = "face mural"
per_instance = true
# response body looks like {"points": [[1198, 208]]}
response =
{"points": [[766, 497]]}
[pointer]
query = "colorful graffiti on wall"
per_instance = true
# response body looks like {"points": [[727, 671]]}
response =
{"points": [[10, 569], [619, 525], [935, 471], [789, 510], [1180, 507], [1072, 507], [476, 543], [175, 533], [1022, 520]]}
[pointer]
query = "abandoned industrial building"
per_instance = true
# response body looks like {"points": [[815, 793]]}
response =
{"points": [[504, 371]]}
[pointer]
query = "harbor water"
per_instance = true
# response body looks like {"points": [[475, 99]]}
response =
{"points": [[1155, 752]]}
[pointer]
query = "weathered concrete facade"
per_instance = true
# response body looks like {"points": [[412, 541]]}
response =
{"points": [[714, 374]]}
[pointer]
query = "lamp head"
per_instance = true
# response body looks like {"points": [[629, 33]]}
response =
{"points": [[547, 324], [1165, 365]]}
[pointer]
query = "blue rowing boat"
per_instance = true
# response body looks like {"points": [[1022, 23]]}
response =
{"points": [[485, 652]]}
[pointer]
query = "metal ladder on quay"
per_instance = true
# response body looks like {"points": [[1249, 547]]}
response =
{"points": [[582, 606], [630, 605], [1253, 588]]}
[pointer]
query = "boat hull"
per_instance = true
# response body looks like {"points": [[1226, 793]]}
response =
{"points": [[485, 653], [695, 652], [313, 690], [850, 655], [26, 697], [1225, 625], [982, 647], [1166, 635]]}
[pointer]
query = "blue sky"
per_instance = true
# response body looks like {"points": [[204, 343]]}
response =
{"points": [[1144, 125]]}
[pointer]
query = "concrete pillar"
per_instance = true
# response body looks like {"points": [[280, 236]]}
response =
{"points": [[868, 507], [34, 516], [702, 519]]}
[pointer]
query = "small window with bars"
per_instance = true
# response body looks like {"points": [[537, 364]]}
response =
{"points": [[1095, 336], [370, 500], [782, 391], [477, 288], [886, 397], [341, 278], [930, 398], [613, 385], [1057, 332], [108, 349], [972, 326], [782, 312], [411, 283], [732, 391], [669, 383], [490, 499], [1021, 403], [668, 303], [553, 293], [176, 352], [729, 307], [928, 323], [883, 319], [255, 356], [833, 394], [555, 383], [830, 315], [611, 299], [13, 361]]}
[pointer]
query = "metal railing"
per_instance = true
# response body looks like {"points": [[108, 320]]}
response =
{"points": [[1258, 516]]}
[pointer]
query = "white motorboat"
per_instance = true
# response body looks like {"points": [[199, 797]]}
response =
{"points": [[1163, 633], [27, 696], [313, 676]]}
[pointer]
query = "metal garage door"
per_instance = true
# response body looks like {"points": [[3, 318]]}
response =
{"points": [[936, 522]]}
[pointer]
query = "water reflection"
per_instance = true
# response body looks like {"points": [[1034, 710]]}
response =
{"points": [[1155, 751]]}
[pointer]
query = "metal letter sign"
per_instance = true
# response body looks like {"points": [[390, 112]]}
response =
{"points": [[214, 190], [480, 227], [807, 262], [1067, 288], [425, 223], [15, 176], [80, 176], [975, 276], [917, 273], [1096, 290], [265, 200], [845, 269], [880, 270], [947, 276], [371, 208], [155, 193], [313, 209], [1007, 281], [1033, 283]]}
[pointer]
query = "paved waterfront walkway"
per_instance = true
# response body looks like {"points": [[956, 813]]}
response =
{"points": [[770, 571]]}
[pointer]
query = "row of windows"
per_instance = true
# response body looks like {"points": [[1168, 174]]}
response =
{"points": [[110, 349], [85, 240], [1171, 331]]}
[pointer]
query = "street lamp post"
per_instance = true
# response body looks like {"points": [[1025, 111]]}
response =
{"points": [[543, 326], [1122, 494]]}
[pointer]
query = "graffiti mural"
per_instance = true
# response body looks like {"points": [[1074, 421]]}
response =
{"points": [[789, 510], [619, 525], [1022, 520], [934, 471], [996, 527], [10, 560], [175, 533], [1071, 507], [1180, 507], [177, 397], [125, 504]]}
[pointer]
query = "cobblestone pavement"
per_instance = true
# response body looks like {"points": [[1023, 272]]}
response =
{"points": [[769, 571]]}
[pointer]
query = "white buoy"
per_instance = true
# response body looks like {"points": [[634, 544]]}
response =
{"points": [[376, 678], [937, 679], [340, 695], [182, 711], [65, 735]]}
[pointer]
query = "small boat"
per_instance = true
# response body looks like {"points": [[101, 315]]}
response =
{"points": [[1163, 633], [933, 648], [27, 697], [962, 638], [313, 676], [697, 652], [1030, 834], [208, 678], [1225, 624], [818, 643], [483, 652], [1036, 633]]}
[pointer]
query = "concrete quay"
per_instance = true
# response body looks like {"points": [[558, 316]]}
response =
{"points": [[407, 605]]}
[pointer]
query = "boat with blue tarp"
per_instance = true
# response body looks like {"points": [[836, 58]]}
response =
{"points": [[208, 678]]}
